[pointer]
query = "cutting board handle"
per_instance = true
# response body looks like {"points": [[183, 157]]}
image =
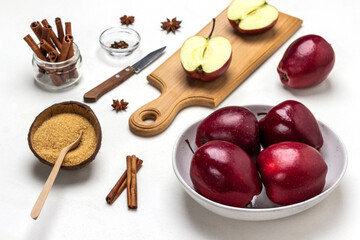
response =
{"points": [[155, 116]]}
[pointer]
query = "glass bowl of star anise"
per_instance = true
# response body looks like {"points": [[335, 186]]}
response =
{"points": [[119, 41]]}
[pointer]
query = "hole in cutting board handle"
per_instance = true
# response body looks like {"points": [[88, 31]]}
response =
{"points": [[149, 116], [149, 120]]}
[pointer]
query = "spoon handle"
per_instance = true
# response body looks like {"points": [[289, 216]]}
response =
{"points": [[48, 184]]}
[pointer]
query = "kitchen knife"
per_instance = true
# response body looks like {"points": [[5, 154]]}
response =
{"points": [[94, 94]]}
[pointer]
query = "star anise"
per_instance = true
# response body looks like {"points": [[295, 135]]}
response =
{"points": [[171, 26], [119, 105], [127, 20]]}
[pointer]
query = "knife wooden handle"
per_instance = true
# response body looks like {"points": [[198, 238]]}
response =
{"points": [[94, 94]]}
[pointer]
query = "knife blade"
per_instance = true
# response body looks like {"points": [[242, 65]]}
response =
{"points": [[94, 94]]}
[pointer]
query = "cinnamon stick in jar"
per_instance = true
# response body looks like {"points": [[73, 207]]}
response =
{"points": [[53, 56], [55, 39], [51, 35], [30, 41], [71, 50], [56, 78], [67, 43], [48, 48], [45, 34], [73, 73], [37, 29], [68, 28], [68, 31], [45, 22], [59, 28]]}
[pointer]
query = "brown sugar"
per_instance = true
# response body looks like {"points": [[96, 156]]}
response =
{"points": [[61, 130]]}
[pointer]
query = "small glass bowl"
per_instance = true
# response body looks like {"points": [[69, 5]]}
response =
{"points": [[117, 34], [58, 75]]}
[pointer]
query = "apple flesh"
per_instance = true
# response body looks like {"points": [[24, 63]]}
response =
{"points": [[292, 172], [252, 16], [290, 121], [307, 62], [224, 173], [234, 124], [206, 59]]}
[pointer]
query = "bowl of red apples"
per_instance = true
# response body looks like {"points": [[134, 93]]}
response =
{"points": [[259, 162]]}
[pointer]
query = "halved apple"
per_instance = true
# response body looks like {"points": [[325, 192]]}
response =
{"points": [[206, 59], [252, 16]]}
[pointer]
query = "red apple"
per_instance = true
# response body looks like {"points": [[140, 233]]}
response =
{"points": [[290, 121], [292, 172], [224, 173], [306, 62], [206, 59], [234, 124], [252, 16]]}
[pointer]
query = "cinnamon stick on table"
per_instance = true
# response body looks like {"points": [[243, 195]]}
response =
{"points": [[121, 184], [131, 182]]}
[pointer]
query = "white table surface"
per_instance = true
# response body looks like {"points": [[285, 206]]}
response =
{"points": [[76, 207]]}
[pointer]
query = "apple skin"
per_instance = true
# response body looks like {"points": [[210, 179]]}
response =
{"points": [[254, 31], [307, 62], [292, 172], [290, 121], [207, 77], [224, 173], [234, 124]]}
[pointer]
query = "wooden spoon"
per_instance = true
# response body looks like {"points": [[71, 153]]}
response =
{"points": [[49, 182]]}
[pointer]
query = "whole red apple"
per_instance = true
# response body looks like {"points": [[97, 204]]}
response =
{"points": [[224, 173], [290, 121], [292, 172], [234, 124], [306, 62]]}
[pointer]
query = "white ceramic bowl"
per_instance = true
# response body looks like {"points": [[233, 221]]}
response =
{"points": [[261, 208]]}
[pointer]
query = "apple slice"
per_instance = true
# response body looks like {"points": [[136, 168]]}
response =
{"points": [[252, 16], [206, 59]]}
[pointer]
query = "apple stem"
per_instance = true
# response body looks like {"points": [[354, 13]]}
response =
{"points": [[212, 30], [188, 143]]}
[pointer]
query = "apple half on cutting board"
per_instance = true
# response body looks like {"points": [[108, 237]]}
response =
{"points": [[206, 59], [252, 16]]}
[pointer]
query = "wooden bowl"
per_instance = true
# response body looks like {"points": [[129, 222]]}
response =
{"points": [[66, 107]]}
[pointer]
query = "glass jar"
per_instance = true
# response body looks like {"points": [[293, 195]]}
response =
{"points": [[58, 75]]}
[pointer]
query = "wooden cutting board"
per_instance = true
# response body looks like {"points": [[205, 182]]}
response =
{"points": [[178, 91]]}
